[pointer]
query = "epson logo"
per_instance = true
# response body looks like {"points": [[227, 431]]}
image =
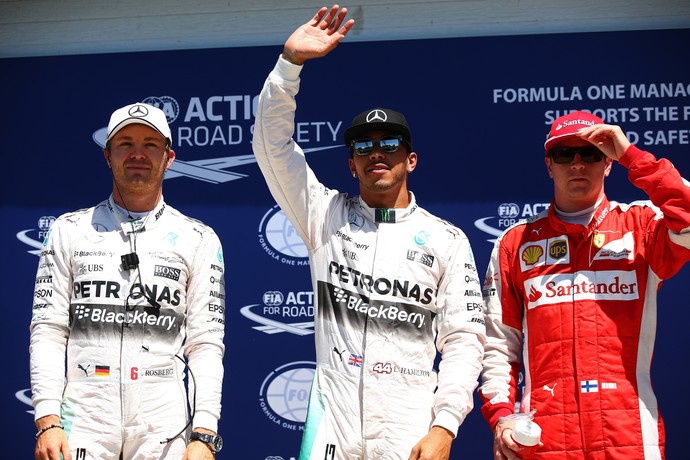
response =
{"points": [[167, 272], [215, 308]]}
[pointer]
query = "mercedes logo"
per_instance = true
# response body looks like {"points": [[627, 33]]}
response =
{"points": [[138, 111], [376, 115]]}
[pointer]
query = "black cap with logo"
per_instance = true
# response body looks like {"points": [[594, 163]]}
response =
{"points": [[378, 119]]}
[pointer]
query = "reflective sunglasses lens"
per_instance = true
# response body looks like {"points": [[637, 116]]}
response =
{"points": [[363, 147], [389, 145]]}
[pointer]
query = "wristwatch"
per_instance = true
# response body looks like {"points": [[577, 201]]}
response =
{"points": [[213, 440]]}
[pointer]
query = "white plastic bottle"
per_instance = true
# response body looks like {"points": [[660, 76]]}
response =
{"points": [[526, 434]]}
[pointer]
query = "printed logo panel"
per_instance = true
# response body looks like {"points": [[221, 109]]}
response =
{"points": [[550, 251], [584, 285]]}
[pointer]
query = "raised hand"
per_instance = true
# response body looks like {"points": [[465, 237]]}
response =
{"points": [[610, 139], [317, 37]]}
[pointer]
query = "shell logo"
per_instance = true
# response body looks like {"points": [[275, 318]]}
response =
{"points": [[532, 254]]}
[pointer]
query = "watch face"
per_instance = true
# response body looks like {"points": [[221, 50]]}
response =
{"points": [[218, 443], [215, 440]]}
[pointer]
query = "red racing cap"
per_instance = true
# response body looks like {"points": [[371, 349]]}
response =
{"points": [[568, 125]]}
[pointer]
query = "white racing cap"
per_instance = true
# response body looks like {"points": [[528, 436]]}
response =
{"points": [[139, 113]]}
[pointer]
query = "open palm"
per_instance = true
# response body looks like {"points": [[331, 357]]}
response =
{"points": [[319, 36]]}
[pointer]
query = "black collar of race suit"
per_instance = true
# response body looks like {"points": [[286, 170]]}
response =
{"points": [[388, 215], [384, 215]]}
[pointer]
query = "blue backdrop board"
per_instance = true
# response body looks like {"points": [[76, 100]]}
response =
{"points": [[479, 109]]}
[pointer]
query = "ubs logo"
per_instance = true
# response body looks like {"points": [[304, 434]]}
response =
{"points": [[90, 268]]}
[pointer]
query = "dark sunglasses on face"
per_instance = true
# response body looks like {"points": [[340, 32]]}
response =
{"points": [[387, 144], [565, 155]]}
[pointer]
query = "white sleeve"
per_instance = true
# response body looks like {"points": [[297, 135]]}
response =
{"points": [[282, 162], [461, 337], [49, 326], [205, 325]]}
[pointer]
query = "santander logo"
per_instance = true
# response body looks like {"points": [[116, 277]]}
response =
{"points": [[583, 285], [574, 122], [534, 295]]}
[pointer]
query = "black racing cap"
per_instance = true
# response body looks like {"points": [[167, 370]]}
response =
{"points": [[378, 119]]}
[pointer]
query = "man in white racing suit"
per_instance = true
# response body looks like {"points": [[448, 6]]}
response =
{"points": [[124, 290], [392, 282]]}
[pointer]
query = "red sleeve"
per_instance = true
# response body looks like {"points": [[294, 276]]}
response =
{"points": [[668, 233]]}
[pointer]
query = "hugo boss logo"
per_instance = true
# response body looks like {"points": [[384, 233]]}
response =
{"points": [[167, 272]]}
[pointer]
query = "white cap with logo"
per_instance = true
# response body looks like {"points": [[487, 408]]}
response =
{"points": [[139, 113]]}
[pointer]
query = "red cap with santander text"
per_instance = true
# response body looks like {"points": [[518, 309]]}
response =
{"points": [[567, 125]]}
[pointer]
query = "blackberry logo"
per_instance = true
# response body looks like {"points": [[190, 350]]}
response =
{"points": [[341, 296], [81, 312]]}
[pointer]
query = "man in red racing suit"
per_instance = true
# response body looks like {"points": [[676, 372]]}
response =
{"points": [[572, 292]]}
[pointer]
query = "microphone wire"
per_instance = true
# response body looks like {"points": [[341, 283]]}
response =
{"points": [[154, 304]]}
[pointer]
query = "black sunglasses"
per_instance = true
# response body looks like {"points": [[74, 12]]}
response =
{"points": [[387, 144], [565, 155]]}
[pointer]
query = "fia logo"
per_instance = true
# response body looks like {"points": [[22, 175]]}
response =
{"points": [[25, 236]]}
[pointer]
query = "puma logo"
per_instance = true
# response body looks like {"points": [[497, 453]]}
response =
{"points": [[550, 390], [339, 353], [85, 369]]}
